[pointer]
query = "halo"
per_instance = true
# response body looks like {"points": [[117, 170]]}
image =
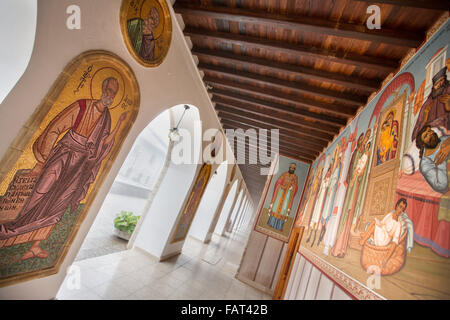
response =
{"points": [[391, 111], [145, 9], [97, 80]]}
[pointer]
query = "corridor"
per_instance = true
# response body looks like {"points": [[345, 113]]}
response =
{"points": [[200, 272]]}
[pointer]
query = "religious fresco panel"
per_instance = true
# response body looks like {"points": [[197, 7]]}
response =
{"points": [[146, 29], [376, 209], [53, 170], [281, 199]]}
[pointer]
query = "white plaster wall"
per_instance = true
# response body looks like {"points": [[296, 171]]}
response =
{"points": [[174, 82], [208, 205], [155, 230], [224, 214], [231, 214], [17, 39]]}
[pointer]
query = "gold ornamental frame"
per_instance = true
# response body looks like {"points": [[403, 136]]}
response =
{"points": [[166, 34]]}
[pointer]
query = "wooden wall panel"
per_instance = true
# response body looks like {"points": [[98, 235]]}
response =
{"points": [[297, 278], [294, 271], [268, 262], [325, 288], [306, 274], [312, 284], [252, 255], [280, 264]]}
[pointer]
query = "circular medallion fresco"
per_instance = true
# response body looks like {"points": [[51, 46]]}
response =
{"points": [[147, 30]]}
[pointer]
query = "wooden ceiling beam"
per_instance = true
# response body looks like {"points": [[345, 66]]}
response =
{"points": [[250, 157], [424, 4], [384, 65], [239, 99], [289, 69], [303, 24], [301, 89], [308, 142], [299, 157], [305, 103], [285, 143], [255, 185], [255, 151], [265, 123], [298, 140], [250, 112]]}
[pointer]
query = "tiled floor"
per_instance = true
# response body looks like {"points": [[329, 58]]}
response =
{"points": [[202, 271], [101, 240]]}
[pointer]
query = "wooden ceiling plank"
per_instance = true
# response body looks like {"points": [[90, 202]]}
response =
{"points": [[424, 4], [251, 148], [298, 139], [245, 125], [283, 147], [350, 99], [373, 63], [255, 150], [274, 124], [296, 112], [248, 111], [249, 158], [304, 24], [305, 103], [289, 69]]}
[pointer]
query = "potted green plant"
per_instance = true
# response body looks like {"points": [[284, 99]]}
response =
{"points": [[124, 224]]}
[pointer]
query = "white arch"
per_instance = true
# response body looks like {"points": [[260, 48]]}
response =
{"points": [[160, 219], [17, 34], [232, 213], [136, 179], [237, 213], [209, 203]]}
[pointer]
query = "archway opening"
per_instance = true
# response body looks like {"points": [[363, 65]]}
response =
{"points": [[228, 208], [130, 191]]}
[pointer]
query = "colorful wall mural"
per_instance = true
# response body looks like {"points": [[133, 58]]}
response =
{"points": [[377, 202], [278, 212], [54, 168]]}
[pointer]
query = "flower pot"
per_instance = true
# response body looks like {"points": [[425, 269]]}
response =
{"points": [[122, 234]]}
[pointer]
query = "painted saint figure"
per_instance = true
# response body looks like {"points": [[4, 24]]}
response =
{"points": [[434, 158], [436, 109], [354, 197], [331, 194], [309, 207], [314, 223], [141, 32], [66, 168], [388, 140], [283, 196], [386, 234]]}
